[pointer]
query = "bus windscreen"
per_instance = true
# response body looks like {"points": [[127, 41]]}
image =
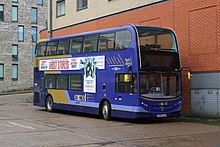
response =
{"points": [[159, 85]]}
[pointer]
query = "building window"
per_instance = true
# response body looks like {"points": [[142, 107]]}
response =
{"points": [[60, 8], [33, 52], [20, 33], [33, 15], [82, 4], [15, 1], [14, 72], [40, 2], [14, 12], [14, 52], [1, 72], [34, 34], [1, 12]]}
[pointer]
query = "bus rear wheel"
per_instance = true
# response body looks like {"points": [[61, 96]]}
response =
{"points": [[49, 104], [106, 110]]}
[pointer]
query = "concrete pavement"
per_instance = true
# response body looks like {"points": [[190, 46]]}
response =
{"points": [[22, 124]]}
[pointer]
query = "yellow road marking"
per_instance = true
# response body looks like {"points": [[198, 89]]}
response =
{"points": [[20, 125]]}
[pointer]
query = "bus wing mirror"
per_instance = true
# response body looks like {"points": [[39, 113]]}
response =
{"points": [[189, 75], [188, 69]]}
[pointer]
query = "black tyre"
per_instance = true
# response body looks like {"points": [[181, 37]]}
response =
{"points": [[106, 111], [49, 104]]}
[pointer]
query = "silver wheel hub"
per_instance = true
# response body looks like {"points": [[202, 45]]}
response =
{"points": [[49, 104], [105, 111]]}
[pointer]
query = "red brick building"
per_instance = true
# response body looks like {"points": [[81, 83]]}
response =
{"points": [[197, 25]]}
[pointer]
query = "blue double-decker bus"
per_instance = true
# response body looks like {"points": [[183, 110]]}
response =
{"points": [[127, 72]]}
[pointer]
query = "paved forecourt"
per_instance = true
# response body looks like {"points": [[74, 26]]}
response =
{"points": [[22, 124]]}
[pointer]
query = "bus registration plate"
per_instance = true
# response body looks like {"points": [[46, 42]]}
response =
{"points": [[161, 115]]}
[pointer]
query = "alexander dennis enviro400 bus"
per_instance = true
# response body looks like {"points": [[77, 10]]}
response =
{"points": [[127, 72]]}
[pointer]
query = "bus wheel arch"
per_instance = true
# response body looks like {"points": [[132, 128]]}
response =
{"points": [[105, 109], [49, 103]]}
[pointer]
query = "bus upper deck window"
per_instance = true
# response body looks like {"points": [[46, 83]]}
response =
{"points": [[106, 42], [51, 48], [41, 49], [76, 45], [63, 47], [91, 43], [154, 39], [167, 41], [123, 39]]}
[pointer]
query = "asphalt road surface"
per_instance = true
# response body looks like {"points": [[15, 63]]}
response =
{"points": [[24, 125]]}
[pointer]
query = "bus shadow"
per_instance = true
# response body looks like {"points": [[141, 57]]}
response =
{"points": [[131, 121], [146, 120]]}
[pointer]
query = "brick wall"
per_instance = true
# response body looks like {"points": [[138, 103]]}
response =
{"points": [[9, 36], [196, 24]]}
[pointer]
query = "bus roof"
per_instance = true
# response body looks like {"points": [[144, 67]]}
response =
{"points": [[97, 32]]}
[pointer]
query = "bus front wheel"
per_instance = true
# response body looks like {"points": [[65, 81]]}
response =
{"points": [[106, 110], [49, 104]]}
